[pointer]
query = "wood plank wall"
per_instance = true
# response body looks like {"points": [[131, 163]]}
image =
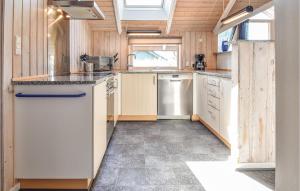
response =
{"points": [[1, 65], [254, 75], [30, 24], [109, 42], [28, 20], [80, 42]]}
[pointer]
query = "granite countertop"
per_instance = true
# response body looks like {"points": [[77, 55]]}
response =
{"points": [[217, 73], [154, 71], [71, 79]]}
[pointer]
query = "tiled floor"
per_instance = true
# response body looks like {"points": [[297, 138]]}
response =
{"points": [[154, 155]]}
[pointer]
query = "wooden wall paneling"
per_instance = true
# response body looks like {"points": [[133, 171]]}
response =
{"points": [[256, 102], [26, 38], [40, 37], [7, 116], [187, 49], [118, 50], [45, 35], [271, 103], [1, 111], [123, 51], [259, 103], [246, 58], [33, 33], [80, 43], [193, 48], [17, 33]]}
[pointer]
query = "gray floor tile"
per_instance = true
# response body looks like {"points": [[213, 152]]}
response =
{"points": [[132, 177], [161, 176], [153, 156]]}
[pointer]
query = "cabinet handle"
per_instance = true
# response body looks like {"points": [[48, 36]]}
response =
{"points": [[154, 80], [50, 95]]}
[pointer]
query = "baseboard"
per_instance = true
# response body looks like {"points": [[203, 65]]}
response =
{"points": [[61, 184], [137, 118], [195, 118], [180, 117], [256, 166]]}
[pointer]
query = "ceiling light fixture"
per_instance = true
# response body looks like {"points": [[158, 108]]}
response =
{"points": [[240, 14], [143, 32]]}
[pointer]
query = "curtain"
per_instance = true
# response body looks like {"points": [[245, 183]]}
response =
{"points": [[243, 30]]}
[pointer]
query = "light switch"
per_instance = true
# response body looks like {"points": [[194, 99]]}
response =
{"points": [[18, 46]]}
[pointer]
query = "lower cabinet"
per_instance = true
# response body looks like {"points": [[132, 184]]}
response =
{"points": [[139, 96], [99, 125], [60, 143], [214, 104], [225, 109], [202, 96]]}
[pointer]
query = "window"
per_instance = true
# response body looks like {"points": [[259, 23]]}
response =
{"points": [[144, 3], [259, 30], [155, 56], [225, 36]]}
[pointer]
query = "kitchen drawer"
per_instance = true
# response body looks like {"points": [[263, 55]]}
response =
{"points": [[213, 102], [214, 118], [213, 91], [213, 81]]}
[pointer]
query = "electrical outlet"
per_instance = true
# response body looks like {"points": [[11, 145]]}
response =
{"points": [[18, 45]]}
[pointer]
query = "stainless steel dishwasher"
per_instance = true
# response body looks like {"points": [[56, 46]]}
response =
{"points": [[175, 96]]}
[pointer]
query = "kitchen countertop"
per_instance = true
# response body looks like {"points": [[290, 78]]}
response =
{"points": [[217, 73], [154, 71], [72, 79], [96, 78]]}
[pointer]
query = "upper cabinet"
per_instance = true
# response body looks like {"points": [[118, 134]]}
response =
{"points": [[139, 95]]}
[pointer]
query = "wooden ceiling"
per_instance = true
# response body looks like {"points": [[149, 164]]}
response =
{"points": [[189, 15]]}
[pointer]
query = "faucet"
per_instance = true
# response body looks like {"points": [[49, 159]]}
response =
{"points": [[130, 64]]}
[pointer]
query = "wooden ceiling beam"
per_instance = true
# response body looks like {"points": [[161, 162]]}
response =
{"points": [[170, 20], [224, 14], [117, 16]]}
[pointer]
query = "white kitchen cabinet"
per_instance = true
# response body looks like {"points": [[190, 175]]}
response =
{"points": [[117, 97], [99, 118], [225, 109], [139, 95], [202, 97], [213, 118], [61, 137]]}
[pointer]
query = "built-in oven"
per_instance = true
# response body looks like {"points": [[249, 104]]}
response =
{"points": [[110, 91]]}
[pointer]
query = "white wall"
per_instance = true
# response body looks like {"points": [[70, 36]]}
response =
{"points": [[287, 104]]}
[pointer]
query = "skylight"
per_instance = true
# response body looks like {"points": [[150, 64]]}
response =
{"points": [[144, 3]]}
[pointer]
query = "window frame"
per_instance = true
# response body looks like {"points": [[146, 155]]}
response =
{"points": [[144, 6], [269, 22], [178, 49]]}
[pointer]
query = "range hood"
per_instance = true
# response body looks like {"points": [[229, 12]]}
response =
{"points": [[80, 10]]}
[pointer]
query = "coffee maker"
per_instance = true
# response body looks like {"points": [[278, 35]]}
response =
{"points": [[200, 62]]}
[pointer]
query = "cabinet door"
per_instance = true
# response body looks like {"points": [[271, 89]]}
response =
{"points": [[225, 108], [99, 117], [202, 97], [116, 98], [139, 94]]}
